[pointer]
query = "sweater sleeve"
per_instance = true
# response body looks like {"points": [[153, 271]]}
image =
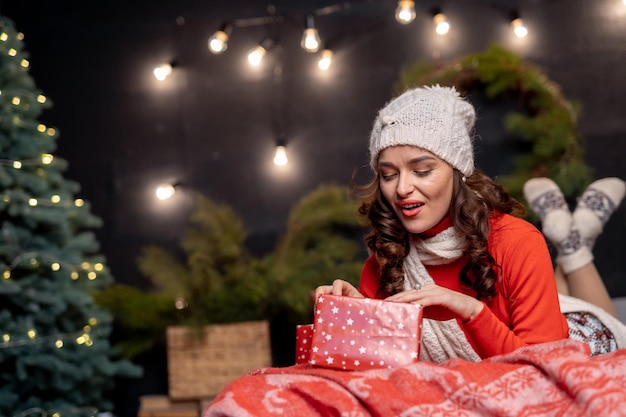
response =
{"points": [[370, 278], [528, 294]]}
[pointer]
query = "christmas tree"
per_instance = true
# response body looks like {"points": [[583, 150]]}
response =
{"points": [[55, 355]]}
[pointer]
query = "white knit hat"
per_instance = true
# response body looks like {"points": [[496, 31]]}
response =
{"points": [[433, 118]]}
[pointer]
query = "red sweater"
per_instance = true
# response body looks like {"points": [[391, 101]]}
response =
{"points": [[525, 310]]}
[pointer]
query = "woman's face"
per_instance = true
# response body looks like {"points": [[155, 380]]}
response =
{"points": [[417, 184]]}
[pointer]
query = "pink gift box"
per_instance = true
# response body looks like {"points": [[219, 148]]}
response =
{"points": [[364, 333]]}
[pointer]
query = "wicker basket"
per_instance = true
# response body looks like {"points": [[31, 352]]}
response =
{"points": [[199, 367]]}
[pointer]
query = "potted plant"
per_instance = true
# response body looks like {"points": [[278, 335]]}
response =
{"points": [[216, 302]]}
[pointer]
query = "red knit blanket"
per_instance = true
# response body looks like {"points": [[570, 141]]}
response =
{"points": [[551, 379]]}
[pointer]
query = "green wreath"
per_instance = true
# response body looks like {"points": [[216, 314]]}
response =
{"points": [[549, 125]]}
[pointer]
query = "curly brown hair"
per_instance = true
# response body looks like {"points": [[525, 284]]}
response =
{"points": [[475, 200]]}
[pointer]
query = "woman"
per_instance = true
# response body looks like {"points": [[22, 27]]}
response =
{"points": [[445, 236]]}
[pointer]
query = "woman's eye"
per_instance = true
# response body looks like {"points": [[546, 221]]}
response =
{"points": [[423, 173], [387, 177]]}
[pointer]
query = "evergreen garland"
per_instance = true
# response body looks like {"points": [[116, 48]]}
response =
{"points": [[550, 125]]}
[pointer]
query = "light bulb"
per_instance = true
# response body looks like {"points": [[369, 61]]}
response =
{"points": [[405, 12], [162, 71], [280, 156], [326, 59], [180, 303], [310, 38], [218, 43], [441, 24], [255, 56], [519, 28], [165, 191], [47, 158]]}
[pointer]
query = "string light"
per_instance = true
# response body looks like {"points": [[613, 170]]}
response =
{"points": [[280, 154], [180, 303], [310, 37], [519, 29], [45, 158], [310, 40], [36, 259], [58, 340], [25, 101], [54, 200], [50, 131], [441, 23], [405, 12], [165, 191], [218, 42], [326, 59], [163, 71], [256, 55]]}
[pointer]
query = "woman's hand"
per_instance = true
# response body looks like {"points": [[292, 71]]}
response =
{"points": [[441, 303], [339, 287]]}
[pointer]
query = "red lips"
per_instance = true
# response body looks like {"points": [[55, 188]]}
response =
{"points": [[410, 208]]}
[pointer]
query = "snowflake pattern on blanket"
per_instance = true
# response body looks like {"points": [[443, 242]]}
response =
{"points": [[550, 379]]}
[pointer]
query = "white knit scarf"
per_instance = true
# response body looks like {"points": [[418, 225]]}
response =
{"points": [[441, 340]]}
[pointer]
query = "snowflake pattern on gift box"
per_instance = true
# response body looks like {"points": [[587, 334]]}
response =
{"points": [[359, 334]]}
